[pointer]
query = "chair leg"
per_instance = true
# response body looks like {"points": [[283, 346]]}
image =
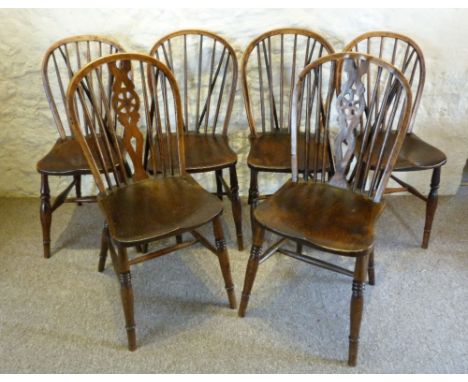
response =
{"points": [[253, 195], [219, 184], [224, 261], [370, 268], [357, 303], [78, 187], [46, 214], [236, 206], [431, 206], [179, 239], [252, 266], [126, 293], [104, 248], [298, 248]]}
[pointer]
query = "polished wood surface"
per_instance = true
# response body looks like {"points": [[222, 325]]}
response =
{"points": [[61, 61], [416, 154], [336, 210], [270, 65], [205, 66], [141, 108]]}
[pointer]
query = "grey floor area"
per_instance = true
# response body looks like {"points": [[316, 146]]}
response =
{"points": [[61, 315]]}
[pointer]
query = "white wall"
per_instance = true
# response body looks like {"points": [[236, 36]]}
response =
{"points": [[26, 126]]}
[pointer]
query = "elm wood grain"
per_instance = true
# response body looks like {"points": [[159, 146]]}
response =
{"points": [[269, 67], [336, 211], [416, 154], [61, 61], [205, 66], [141, 110]]}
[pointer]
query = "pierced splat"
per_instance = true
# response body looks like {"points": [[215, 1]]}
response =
{"points": [[126, 104], [350, 105]]}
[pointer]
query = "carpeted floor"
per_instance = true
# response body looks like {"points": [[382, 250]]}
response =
{"points": [[61, 315]]}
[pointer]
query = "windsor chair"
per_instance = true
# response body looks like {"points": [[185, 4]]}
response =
{"points": [[270, 65], [143, 101], [205, 66], [336, 212], [416, 154], [61, 61]]}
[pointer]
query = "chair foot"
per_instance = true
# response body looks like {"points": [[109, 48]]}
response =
{"points": [[431, 206], [45, 214], [252, 267], [126, 294]]}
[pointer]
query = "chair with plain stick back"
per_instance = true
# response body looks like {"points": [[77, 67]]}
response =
{"points": [[139, 207], [61, 61], [336, 211], [416, 154], [270, 65], [205, 67]]}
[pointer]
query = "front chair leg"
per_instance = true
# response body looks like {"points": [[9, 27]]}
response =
{"points": [[252, 266], [371, 270], [224, 261], [46, 214], [431, 206], [357, 303], [104, 248], [126, 293], [78, 187], [236, 206]]}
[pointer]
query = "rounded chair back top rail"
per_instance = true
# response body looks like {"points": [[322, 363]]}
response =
{"points": [[361, 139], [402, 52], [205, 66], [269, 68], [125, 109], [61, 61]]}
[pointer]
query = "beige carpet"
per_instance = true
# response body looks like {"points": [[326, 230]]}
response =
{"points": [[61, 315]]}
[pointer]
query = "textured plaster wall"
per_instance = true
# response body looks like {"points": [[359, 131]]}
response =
{"points": [[26, 126]]}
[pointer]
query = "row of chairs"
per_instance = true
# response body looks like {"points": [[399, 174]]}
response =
{"points": [[141, 123]]}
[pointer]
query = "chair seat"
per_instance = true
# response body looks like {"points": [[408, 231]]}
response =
{"points": [[415, 154], [204, 152], [67, 158], [327, 217], [157, 207], [272, 152]]}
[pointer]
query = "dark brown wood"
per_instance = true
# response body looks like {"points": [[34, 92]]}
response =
{"points": [[61, 61], [269, 67], [206, 65], [104, 248], [415, 154], [431, 206], [371, 270], [136, 119], [333, 206], [46, 214]]}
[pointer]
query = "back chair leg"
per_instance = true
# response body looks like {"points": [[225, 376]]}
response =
{"points": [[371, 271], [253, 195], [78, 187], [252, 266], [219, 183], [236, 206], [104, 248], [46, 214], [357, 303], [224, 261], [431, 206], [126, 293]]}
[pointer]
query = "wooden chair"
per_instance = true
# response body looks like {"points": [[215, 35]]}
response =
{"points": [[416, 154], [205, 66], [140, 208], [61, 61], [337, 213], [270, 65]]}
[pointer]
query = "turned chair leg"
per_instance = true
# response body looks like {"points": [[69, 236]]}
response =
{"points": [[219, 183], [126, 293], [236, 207], [78, 187], [431, 206], [357, 303], [104, 248], [252, 266], [224, 261], [253, 195], [46, 214], [370, 269]]}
